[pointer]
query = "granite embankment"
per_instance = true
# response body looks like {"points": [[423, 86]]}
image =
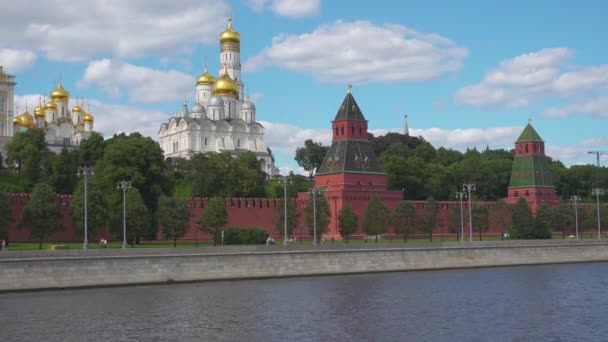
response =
{"points": [[36, 270]]}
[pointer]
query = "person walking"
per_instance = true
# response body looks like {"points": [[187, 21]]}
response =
{"points": [[2, 245]]}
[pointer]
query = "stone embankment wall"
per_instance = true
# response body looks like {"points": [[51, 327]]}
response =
{"points": [[76, 268]]}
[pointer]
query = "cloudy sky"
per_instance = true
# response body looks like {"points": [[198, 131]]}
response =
{"points": [[468, 73]]}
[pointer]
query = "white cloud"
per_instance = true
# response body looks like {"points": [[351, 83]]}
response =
{"points": [[285, 138], [287, 8], [596, 107], [142, 84], [14, 61], [528, 78], [361, 52], [110, 118], [78, 30]]}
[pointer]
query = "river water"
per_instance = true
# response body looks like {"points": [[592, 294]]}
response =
{"points": [[535, 303]]}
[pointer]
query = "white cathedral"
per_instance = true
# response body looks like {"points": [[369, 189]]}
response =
{"points": [[221, 120], [64, 128]]}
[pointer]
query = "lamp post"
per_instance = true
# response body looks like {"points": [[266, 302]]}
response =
{"points": [[597, 192], [468, 187], [285, 181], [124, 185], [461, 195], [85, 172], [576, 199]]}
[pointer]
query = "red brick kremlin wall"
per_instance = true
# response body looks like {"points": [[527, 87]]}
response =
{"points": [[244, 213]]}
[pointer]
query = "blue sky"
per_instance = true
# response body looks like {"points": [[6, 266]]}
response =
{"points": [[468, 73]]}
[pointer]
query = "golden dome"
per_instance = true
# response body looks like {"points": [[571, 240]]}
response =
{"points": [[17, 121], [225, 86], [205, 78], [77, 109], [230, 35], [60, 94], [50, 105], [87, 117], [39, 111], [27, 120]]}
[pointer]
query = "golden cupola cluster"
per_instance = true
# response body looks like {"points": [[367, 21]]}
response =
{"points": [[24, 120], [205, 78], [230, 35], [224, 85], [87, 117], [39, 111]]}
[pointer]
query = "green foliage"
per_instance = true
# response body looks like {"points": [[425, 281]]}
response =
{"points": [[293, 217], [214, 218], [6, 215], [323, 214], [246, 178], [244, 236], [561, 219], [377, 218], [310, 157], [64, 167], [138, 223], [404, 219], [297, 183], [29, 151], [455, 220], [139, 160], [10, 183], [525, 226], [97, 208], [42, 215], [429, 217], [480, 218], [347, 222], [91, 149], [174, 217]]}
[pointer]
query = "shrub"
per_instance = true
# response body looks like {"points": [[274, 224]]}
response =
{"points": [[243, 236]]}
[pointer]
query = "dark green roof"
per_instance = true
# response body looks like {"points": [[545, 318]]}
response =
{"points": [[354, 156], [529, 134], [349, 110], [530, 171]]}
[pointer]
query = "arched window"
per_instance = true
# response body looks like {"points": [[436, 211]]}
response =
{"points": [[519, 148], [527, 193], [341, 130], [352, 129], [336, 130], [526, 148], [516, 194]]}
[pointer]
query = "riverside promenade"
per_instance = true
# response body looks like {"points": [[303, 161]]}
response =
{"points": [[59, 269]]}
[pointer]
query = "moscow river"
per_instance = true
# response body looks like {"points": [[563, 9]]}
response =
{"points": [[533, 303]]}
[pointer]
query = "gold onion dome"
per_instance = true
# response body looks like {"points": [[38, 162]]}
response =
{"points": [[230, 35], [225, 86], [50, 105], [60, 94], [87, 117], [27, 120], [205, 78], [39, 111], [17, 121], [77, 109]]}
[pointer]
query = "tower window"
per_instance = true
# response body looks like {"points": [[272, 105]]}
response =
{"points": [[526, 148], [342, 130], [352, 129], [519, 146], [336, 130], [205, 141]]}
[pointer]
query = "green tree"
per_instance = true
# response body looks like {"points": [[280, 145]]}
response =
{"points": [[64, 168], [455, 221], [97, 208], [246, 178], [404, 219], [174, 217], [481, 222], [323, 214], [214, 218], [544, 215], [209, 174], [29, 151], [42, 215], [429, 218], [293, 217], [347, 222], [523, 221], [139, 160], [6, 216], [310, 157], [138, 223], [90, 150], [562, 218], [377, 218]]}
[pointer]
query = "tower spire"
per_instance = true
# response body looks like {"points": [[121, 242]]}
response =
{"points": [[406, 130]]}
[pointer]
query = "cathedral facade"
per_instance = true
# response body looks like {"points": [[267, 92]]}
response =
{"points": [[63, 127], [222, 119]]}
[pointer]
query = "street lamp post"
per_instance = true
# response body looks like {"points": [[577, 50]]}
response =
{"points": [[85, 172], [576, 199], [461, 195], [285, 221], [124, 185], [468, 187], [597, 192]]}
